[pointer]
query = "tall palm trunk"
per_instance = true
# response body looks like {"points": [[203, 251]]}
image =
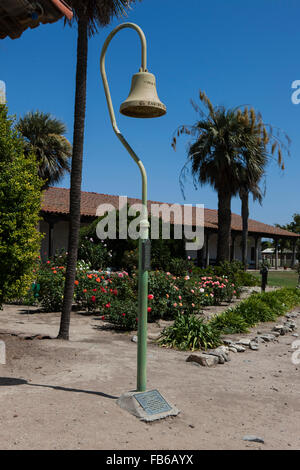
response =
{"points": [[224, 226], [76, 173], [244, 196]]}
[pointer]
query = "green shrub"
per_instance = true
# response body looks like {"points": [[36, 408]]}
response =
{"points": [[263, 307], [229, 322], [255, 310], [122, 314], [233, 271], [52, 280], [94, 254], [190, 332], [20, 193]]}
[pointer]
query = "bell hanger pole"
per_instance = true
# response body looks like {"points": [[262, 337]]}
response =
{"points": [[144, 224]]}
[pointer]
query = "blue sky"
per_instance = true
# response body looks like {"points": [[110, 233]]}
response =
{"points": [[238, 52]]}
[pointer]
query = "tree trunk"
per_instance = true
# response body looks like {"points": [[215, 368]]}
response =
{"points": [[76, 174], [245, 216], [224, 226]]}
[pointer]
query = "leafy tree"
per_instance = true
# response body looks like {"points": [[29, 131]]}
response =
{"points": [[20, 191], [90, 15], [44, 137]]}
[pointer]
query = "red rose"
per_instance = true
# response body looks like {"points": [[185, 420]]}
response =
{"points": [[93, 298]]}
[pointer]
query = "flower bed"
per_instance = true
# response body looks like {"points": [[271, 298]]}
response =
{"points": [[114, 295]]}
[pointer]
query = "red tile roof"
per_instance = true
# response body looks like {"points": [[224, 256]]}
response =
{"points": [[56, 201]]}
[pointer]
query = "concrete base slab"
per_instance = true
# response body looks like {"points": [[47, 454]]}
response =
{"points": [[128, 401]]}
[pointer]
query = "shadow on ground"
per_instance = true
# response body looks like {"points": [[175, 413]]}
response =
{"points": [[12, 381]]}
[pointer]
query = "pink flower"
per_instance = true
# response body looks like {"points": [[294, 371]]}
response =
{"points": [[175, 304], [179, 297], [121, 275], [150, 296]]}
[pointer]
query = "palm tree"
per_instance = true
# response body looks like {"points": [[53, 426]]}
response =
{"points": [[230, 153], [257, 138], [90, 15], [43, 135], [218, 156]]}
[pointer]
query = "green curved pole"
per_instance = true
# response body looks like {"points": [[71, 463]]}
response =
{"points": [[144, 224]]}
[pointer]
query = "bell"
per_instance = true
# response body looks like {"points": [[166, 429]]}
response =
{"points": [[143, 101]]}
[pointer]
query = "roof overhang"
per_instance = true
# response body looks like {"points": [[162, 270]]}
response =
{"points": [[18, 15]]}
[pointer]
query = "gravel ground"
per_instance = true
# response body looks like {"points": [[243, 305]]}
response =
{"points": [[62, 395]]}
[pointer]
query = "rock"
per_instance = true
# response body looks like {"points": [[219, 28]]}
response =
{"points": [[267, 337], [232, 349], [153, 336], [278, 328], [253, 346], [239, 348], [219, 355], [292, 315], [295, 334], [244, 342], [222, 352], [228, 342], [258, 339], [205, 360], [134, 339], [254, 439], [285, 330], [291, 325]]}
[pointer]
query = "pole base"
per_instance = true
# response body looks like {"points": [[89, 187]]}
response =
{"points": [[147, 406]]}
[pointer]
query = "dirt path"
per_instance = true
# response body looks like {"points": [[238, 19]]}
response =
{"points": [[62, 395]]}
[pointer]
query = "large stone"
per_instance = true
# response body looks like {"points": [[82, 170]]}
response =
{"points": [[290, 325], [268, 337], [239, 348], [205, 360], [278, 328], [222, 352], [253, 346], [244, 342]]}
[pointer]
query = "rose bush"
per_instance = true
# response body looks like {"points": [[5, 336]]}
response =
{"points": [[113, 295]]}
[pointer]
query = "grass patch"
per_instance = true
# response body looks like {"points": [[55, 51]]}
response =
{"points": [[281, 278]]}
